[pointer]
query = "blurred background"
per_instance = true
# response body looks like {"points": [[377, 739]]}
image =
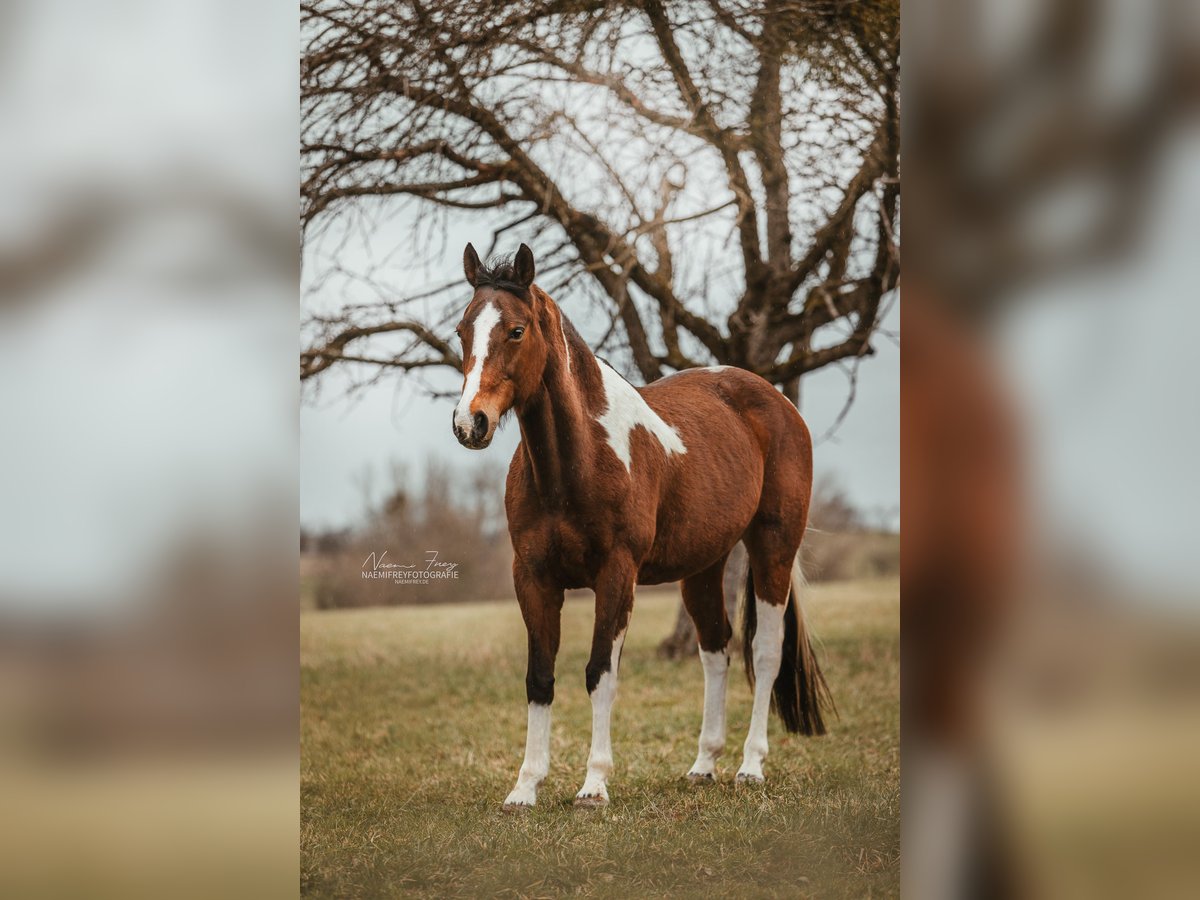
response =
{"points": [[148, 269], [462, 510], [148, 501], [1050, 634]]}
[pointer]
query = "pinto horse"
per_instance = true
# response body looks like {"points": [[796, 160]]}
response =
{"points": [[614, 486]]}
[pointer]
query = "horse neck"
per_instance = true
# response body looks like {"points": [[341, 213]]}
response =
{"points": [[556, 428]]}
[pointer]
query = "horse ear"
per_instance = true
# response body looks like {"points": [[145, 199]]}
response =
{"points": [[470, 264], [523, 265]]}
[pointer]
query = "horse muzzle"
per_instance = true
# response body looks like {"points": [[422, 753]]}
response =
{"points": [[478, 435]]}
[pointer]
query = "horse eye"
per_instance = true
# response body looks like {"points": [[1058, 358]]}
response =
{"points": [[516, 333]]}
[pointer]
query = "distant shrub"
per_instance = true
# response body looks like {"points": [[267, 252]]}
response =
{"points": [[843, 556], [457, 516]]}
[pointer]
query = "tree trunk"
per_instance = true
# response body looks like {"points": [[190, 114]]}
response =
{"points": [[681, 642]]}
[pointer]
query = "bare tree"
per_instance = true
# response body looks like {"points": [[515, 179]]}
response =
{"points": [[716, 180], [625, 137]]}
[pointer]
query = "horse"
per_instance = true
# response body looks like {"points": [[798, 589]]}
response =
{"points": [[614, 486]]}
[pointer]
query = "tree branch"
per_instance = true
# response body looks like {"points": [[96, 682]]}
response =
{"points": [[319, 359], [747, 221]]}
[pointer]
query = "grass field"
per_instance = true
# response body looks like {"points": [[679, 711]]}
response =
{"points": [[413, 726]]}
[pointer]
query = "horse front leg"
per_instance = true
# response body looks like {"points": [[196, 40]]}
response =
{"points": [[541, 607], [614, 605], [704, 598]]}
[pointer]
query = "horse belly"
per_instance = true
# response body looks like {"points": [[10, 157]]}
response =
{"points": [[712, 494]]}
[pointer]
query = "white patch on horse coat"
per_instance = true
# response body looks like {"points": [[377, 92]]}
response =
{"points": [[625, 411], [712, 729], [481, 342], [537, 757], [600, 760], [697, 369], [768, 652], [566, 346]]}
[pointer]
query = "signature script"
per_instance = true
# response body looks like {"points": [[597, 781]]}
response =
{"points": [[377, 562]]}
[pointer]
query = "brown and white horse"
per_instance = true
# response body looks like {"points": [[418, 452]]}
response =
{"points": [[614, 486]]}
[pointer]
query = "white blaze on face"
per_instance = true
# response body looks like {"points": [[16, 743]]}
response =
{"points": [[481, 341], [626, 410]]}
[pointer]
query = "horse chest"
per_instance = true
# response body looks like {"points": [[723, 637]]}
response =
{"points": [[557, 547], [569, 534]]}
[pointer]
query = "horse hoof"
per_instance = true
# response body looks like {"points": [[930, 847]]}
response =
{"points": [[747, 778], [701, 777], [591, 801], [515, 808]]}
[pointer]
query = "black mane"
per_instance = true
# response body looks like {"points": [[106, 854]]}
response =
{"points": [[501, 273]]}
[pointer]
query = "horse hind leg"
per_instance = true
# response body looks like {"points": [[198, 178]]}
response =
{"points": [[777, 642], [768, 583], [703, 596]]}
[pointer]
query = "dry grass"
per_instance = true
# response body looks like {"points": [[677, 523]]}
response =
{"points": [[413, 726]]}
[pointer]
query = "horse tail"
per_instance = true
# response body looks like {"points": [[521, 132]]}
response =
{"points": [[800, 695]]}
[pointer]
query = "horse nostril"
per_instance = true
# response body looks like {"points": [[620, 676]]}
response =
{"points": [[481, 424]]}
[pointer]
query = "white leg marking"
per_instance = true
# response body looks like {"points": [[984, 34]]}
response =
{"points": [[600, 760], [537, 757], [768, 652], [481, 342], [625, 411], [712, 728]]}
